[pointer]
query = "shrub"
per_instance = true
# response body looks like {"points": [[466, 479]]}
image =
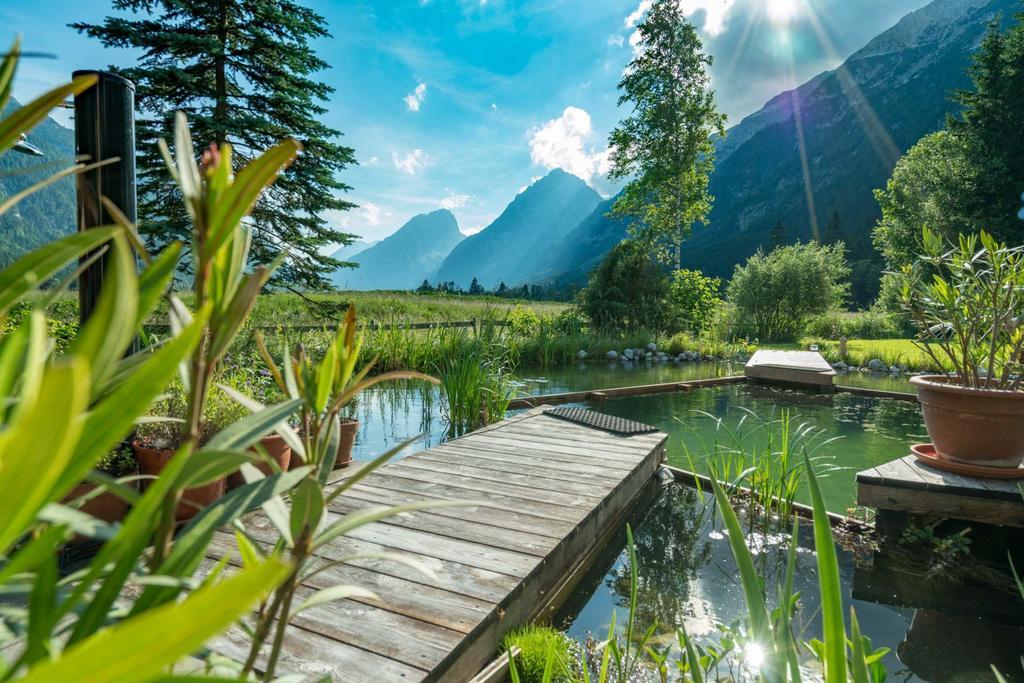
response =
{"points": [[693, 299], [628, 291], [871, 324], [523, 321], [775, 293]]}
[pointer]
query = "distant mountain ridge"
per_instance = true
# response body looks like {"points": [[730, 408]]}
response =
{"points": [[856, 121], [509, 249], [405, 258]]}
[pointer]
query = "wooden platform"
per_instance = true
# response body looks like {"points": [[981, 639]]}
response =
{"points": [[908, 486], [800, 368], [552, 490]]}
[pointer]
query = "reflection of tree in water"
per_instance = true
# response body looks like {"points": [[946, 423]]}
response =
{"points": [[894, 419], [670, 549]]}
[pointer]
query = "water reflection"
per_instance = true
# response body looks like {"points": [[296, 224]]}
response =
{"points": [[687, 576]]}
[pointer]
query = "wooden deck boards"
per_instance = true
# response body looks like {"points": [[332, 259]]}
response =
{"points": [[546, 491], [906, 485]]}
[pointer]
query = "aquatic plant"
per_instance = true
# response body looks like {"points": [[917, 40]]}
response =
{"points": [[541, 647], [476, 382], [763, 646], [759, 461]]}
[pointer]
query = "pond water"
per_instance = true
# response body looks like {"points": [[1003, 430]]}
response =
{"points": [[869, 431], [687, 575]]}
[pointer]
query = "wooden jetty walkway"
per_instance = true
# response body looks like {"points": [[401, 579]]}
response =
{"points": [[553, 490], [908, 487]]}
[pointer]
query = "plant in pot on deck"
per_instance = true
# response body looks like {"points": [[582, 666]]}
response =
{"points": [[967, 300]]}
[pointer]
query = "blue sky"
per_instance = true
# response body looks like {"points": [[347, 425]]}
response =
{"points": [[462, 103]]}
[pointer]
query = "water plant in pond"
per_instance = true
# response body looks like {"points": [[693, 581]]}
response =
{"points": [[476, 383], [760, 461], [763, 645]]}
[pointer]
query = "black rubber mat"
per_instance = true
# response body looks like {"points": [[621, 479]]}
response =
{"points": [[608, 423]]}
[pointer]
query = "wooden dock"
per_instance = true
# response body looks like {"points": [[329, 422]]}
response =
{"points": [[908, 487], [553, 490], [797, 368]]}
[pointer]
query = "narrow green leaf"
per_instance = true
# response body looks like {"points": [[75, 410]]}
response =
{"points": [[354, 520], [829, 584], [333, 594], [252, 428], [36, 267], [26, 118], [42, 607], [139, 648]]}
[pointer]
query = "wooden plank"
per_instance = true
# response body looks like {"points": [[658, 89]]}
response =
{"points": [[577, 435], [524, 480], [572, 477], [503, 519], [906, 473], [313, 656], [554, 461], [423, 602], [565, 499], [462, 529], [543, 400], [445, 548], [941, 504], [454, 491], [453, 576], [612, 462]]}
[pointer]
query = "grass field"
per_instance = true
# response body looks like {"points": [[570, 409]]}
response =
{"points": [[898, 352]]}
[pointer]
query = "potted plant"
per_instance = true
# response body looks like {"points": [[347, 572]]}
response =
{"points": [[967, 300], [346, 440], [105, 505]]}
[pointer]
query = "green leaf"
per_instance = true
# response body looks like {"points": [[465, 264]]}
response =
{"points": [[354, 520], [154, 280], [333, 594], [829, 584], [207, 466], [50, 424], [139, 648], [38, 550], [187, 553], [252, 428], [858, 657], [113, 417], [238, 199], [307, 507], [29, 116], [752, 593], [112, 324], [82, 523], [36, 267], [7, 69], [41, 610]]}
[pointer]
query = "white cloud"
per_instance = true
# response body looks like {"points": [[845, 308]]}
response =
{"points": [[414, 99], [411, 162], [373, 161], [455, 200], [638, 14], [561, 143], [532, 181], [715, 14], [371, 213], [494, 107], [615, 40]]}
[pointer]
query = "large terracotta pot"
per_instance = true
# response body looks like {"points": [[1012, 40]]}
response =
{"points": [[276, 448], [152, 461], [105, 506], [349, 427], [974, 426]]}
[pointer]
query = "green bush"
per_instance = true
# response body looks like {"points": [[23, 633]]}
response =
{"points": [[693, 299], [871, 324], [774, 294], [536, 644]]}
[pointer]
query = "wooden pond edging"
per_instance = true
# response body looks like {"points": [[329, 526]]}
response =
{"points": [[549, 491], [907, 487]]}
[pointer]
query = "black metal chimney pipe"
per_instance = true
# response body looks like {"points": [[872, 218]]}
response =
{"points": [[104, 129]]}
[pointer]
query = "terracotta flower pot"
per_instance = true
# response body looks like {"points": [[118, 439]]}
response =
{"points": [[349, 428], [276, 448], [152, 461], [975, 426], [105, 506]]}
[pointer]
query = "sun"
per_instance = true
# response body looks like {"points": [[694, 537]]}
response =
{"points": [[783, 11]]}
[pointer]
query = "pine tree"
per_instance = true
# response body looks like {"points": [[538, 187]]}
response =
{"points": [[243, 72], [779, 236], [665, 146], [424, 287], [502, 289], [990, 123], [476, 288]]}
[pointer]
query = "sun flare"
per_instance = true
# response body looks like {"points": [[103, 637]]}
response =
{"points": [[783, 11]]}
